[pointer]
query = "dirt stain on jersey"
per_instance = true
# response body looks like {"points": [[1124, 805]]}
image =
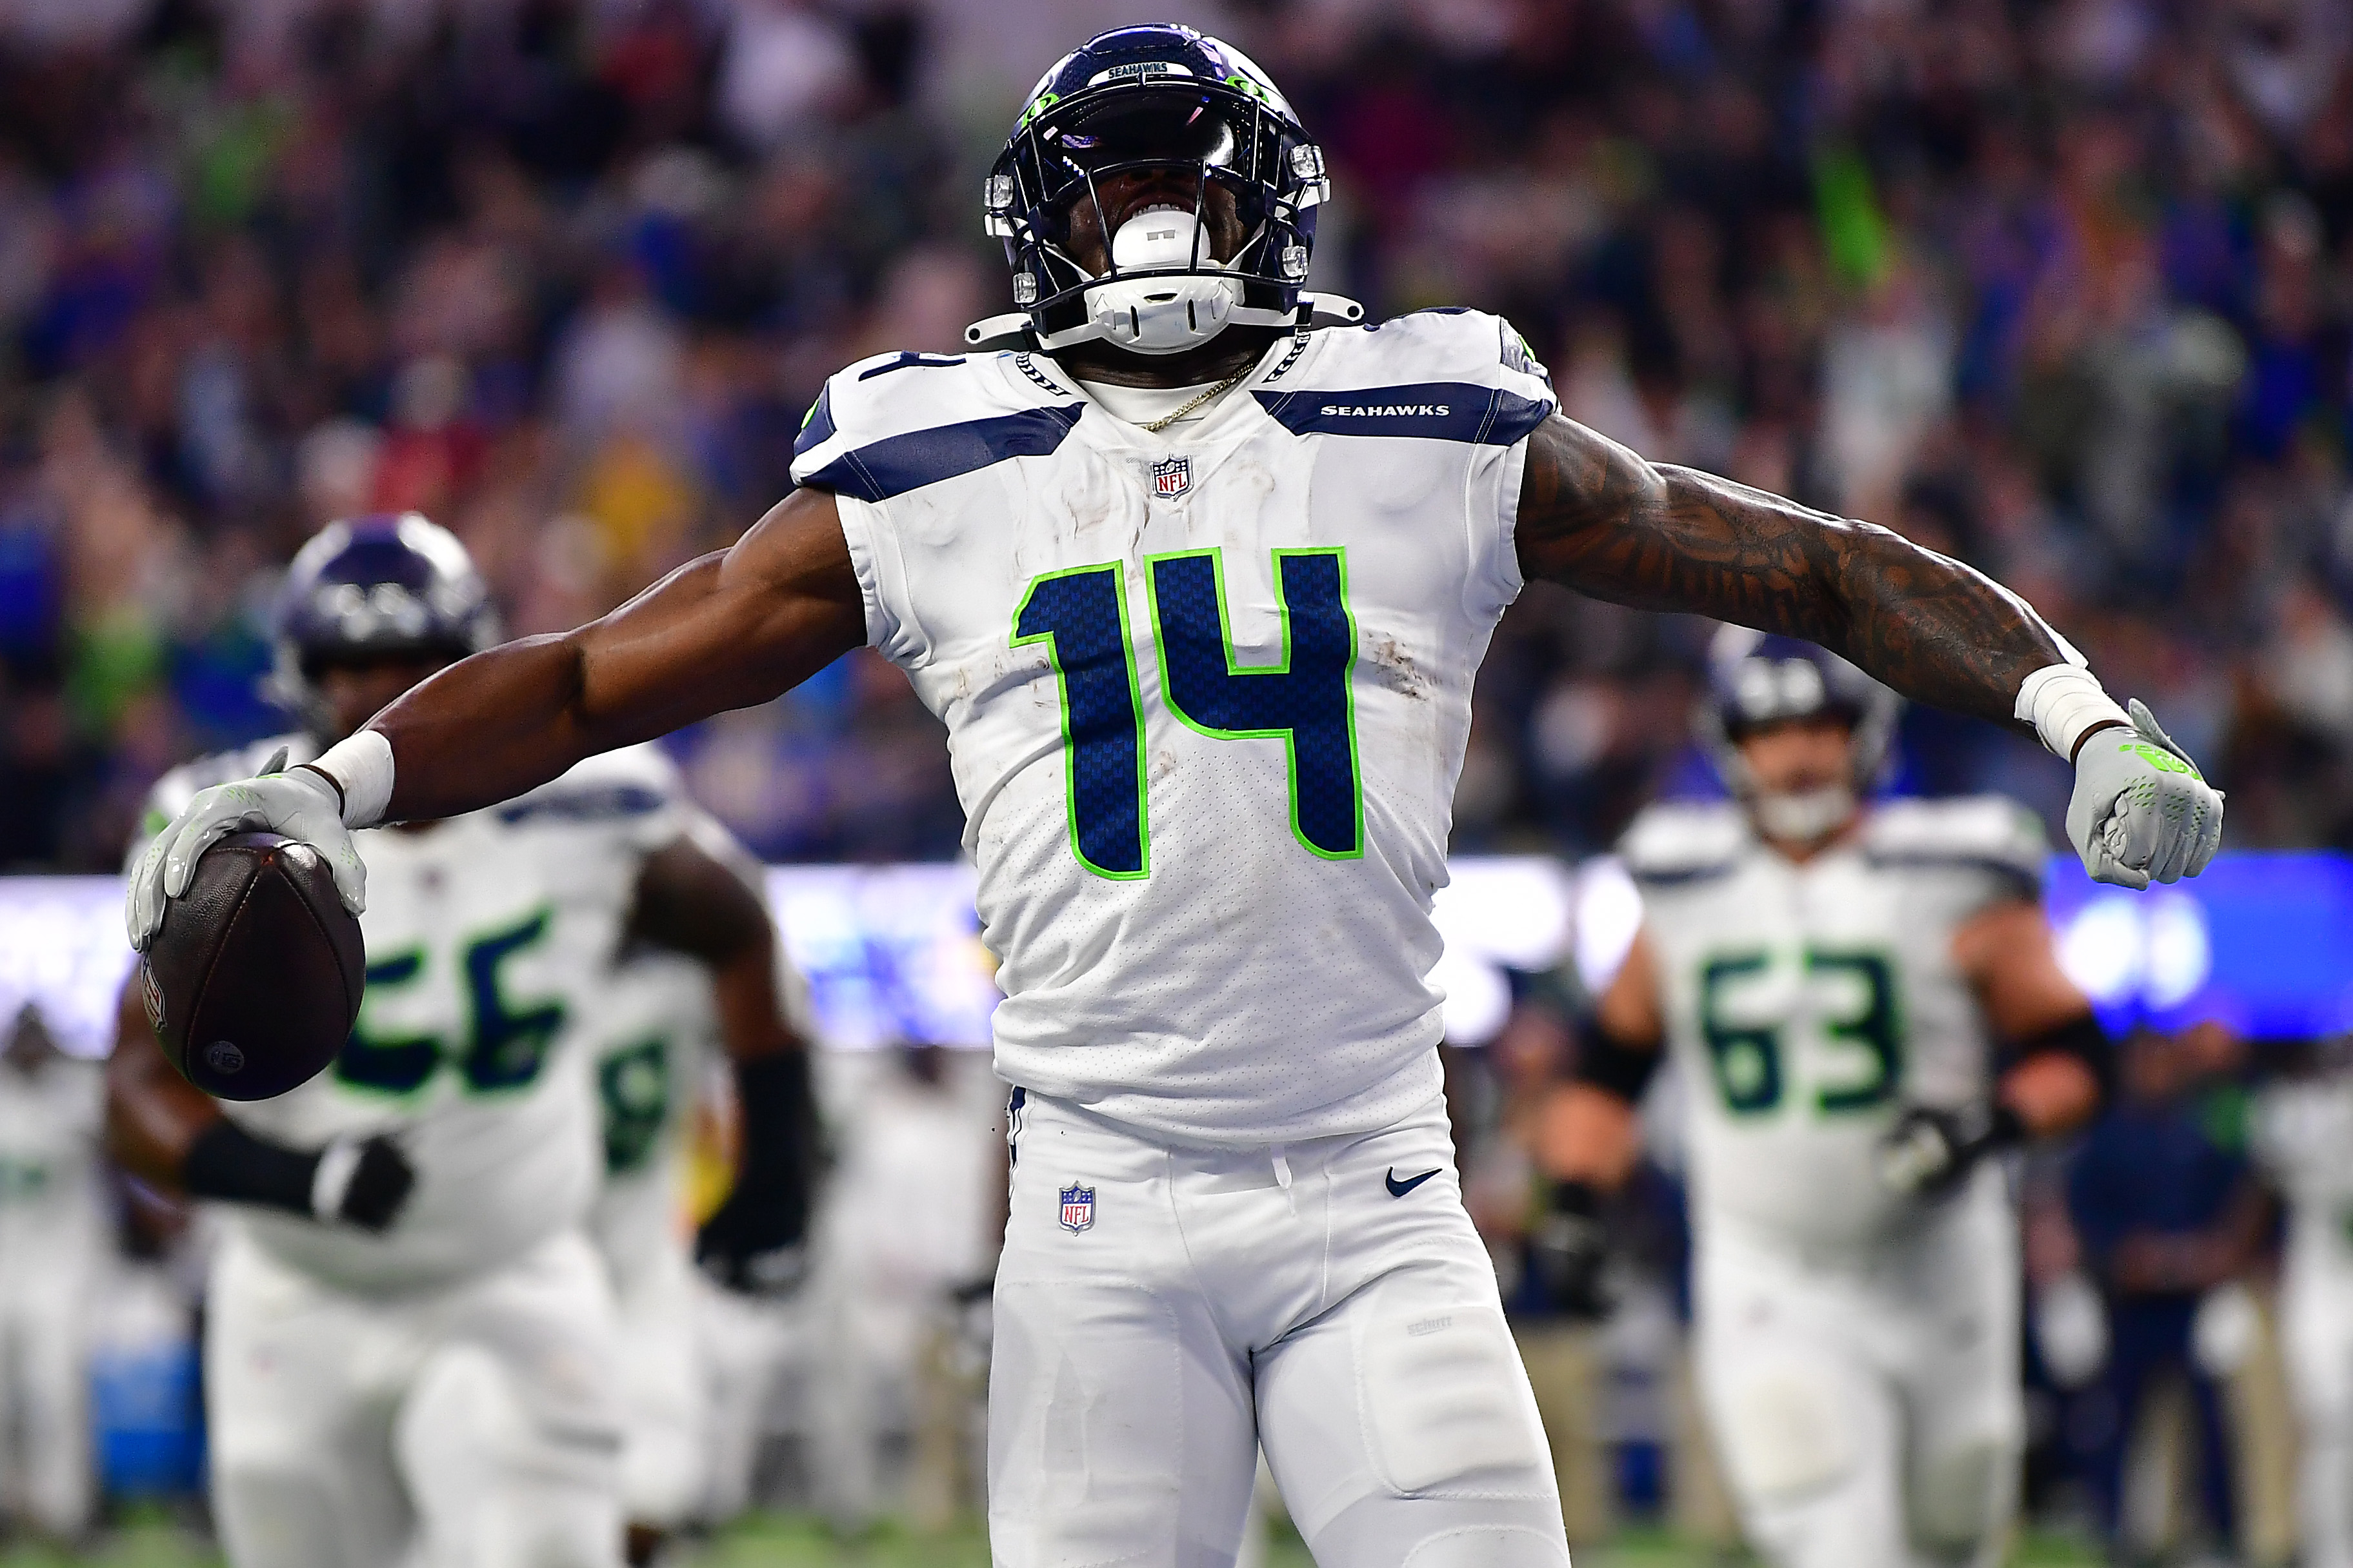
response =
{"points": [[1399, 671]]}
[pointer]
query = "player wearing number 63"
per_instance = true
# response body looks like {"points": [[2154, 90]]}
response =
{"points": [[1199, 575], [1862, 1004], [411, 1343]]}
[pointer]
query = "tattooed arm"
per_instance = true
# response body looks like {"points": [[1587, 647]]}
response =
{"points": [[1599, 518]]}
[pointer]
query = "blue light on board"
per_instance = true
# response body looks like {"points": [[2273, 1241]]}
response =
{"points": [[2263, 943]]}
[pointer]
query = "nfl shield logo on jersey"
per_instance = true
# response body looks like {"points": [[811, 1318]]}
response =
{"points": [[1172, 477], [1078, 1209]]}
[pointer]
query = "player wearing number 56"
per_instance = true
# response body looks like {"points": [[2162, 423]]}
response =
{"points": [[1205, 717], [405, 1250]]}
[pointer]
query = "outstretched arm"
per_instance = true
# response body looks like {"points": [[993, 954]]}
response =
{"points": [[691, 903], [1597, 516], [729, 630]]}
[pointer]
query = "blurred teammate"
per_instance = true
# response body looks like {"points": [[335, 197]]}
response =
{"points": [[1865, 1005], [2303, 1138], [411, 1348], [54, 1237], [659, 1022], [1198, 579]]}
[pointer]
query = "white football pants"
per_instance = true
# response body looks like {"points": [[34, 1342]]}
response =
{"points": [[2317, 1334], [663, 1388], [1327, 1299], [46, 1296], [1866, 1406], [472, 1425]]}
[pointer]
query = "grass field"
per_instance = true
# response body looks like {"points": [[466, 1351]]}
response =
{"points": [[776, 1542]]}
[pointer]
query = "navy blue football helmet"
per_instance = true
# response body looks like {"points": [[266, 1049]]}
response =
{"points": [[1755, 678], [391, 585], [1156, 97]]}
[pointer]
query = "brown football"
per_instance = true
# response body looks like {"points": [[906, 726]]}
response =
{"points": [[255, 979]]}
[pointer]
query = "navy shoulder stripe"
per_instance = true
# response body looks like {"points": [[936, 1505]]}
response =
{"points": [[818, 428], [897, 464], [1431, 410], [1681, 876], [599, 803], [2016, 879]]}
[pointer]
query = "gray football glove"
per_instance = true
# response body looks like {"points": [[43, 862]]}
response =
{"points": [[300, 803], [2142, 812]]}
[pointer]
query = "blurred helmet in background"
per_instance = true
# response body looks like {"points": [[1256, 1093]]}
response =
{"points": [[365, 589], [1755, 678], [1136, 100]]}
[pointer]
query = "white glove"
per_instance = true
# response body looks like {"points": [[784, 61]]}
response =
{"points": [[2142, 813], [300, 804]]}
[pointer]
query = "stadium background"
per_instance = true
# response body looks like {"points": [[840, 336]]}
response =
{"points": [[2063, 288]]}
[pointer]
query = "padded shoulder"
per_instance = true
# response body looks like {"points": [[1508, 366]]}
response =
{"points": [[633, 782], [899, 422], [1447, 375], [1988, 832], [1679, 842]]}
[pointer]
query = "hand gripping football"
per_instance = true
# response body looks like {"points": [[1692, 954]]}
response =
{"points": [[254, 980]]}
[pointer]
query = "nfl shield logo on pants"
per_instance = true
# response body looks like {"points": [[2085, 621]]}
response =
{"points": [[1078, 1209], [1172, 477]]}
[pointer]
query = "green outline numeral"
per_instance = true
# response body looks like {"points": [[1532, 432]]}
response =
{"points": [[1281, 666], [1749, 1063], [1099, 823], [506, 1048], [1878, 1029], [1098, 831]]}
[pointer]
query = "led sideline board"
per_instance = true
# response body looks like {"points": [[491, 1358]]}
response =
{"points": [[892, 952], [2263, 941]]}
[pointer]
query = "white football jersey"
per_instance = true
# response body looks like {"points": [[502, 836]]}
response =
{"points": [[51, 1193], [1806, 1005], [487, 938], [652, 1035], [1206, 694]]}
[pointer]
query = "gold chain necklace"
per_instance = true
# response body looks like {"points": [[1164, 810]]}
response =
{"points": [[1157, 426]]}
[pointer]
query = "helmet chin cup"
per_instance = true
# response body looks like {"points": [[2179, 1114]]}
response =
{"points": [[1162, 296], [1163, 315]]}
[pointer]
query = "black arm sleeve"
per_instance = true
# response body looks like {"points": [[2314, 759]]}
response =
{"points": [[1614, 1066], [776, 1173], [227, 1162], [2084, 1038]]}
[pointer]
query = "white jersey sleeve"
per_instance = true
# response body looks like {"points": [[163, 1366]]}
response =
{"points": [[1206, 694]]}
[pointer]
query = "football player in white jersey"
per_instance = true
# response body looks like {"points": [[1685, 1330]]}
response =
{"points": [[410, 1343], [1198, 578], [1862, 1003], [2303, 1138], [55, 1235], [660, 1020]]}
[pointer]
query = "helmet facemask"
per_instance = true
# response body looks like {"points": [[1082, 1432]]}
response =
{"points": [[1221, 163]]}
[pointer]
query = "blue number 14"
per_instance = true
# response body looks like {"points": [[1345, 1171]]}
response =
{"points": [[1304, 700]]}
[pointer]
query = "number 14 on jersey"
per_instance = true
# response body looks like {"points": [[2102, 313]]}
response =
{"points": [[1304, 700]]}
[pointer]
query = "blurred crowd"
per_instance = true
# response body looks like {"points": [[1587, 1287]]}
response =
{"points": [[2062, 287]]}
